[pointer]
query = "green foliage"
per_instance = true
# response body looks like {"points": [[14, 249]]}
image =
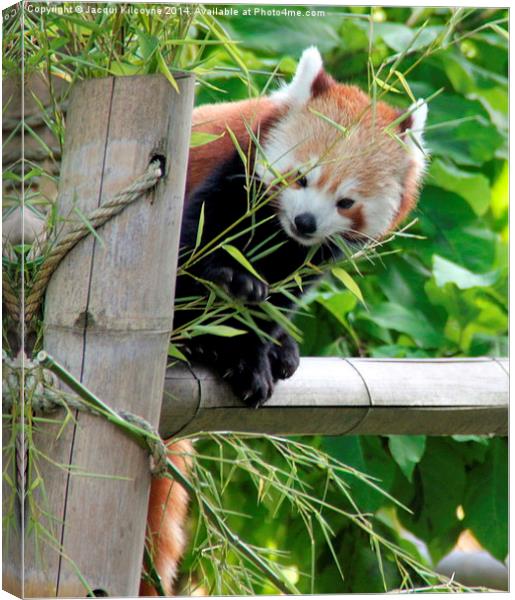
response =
{"points": [[438, 288], [485, 506]]}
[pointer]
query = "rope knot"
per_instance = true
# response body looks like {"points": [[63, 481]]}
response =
{"points": [[155, 444], [42, 394]]}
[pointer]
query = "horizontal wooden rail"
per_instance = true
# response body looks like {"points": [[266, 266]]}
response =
{"points": [[349, 396]]}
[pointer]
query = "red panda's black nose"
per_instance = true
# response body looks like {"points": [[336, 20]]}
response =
{"points": [[305, 223]]}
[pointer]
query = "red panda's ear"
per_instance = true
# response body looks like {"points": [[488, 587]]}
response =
{"points": [[412, 130], [309, 80]]}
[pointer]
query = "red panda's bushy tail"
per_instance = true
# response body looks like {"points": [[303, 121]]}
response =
{"points": [[167, 514]]}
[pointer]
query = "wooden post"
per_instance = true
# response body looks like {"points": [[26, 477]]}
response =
{"points": [[108, 315], [335, 396]]}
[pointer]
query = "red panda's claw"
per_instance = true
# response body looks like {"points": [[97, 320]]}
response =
{"points": [[252, 381], [248, 288], [284, 357]]}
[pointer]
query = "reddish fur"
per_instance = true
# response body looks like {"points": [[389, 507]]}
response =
{"points": [[258, 113], [407, 123], [349, 105], [358, 218], [167, 514], [168, 503], [322, 83], [410, 195]]}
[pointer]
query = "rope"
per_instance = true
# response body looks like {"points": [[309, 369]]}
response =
{"points": [[41, 393], [156, 447], [10, 299], [95, 219]]}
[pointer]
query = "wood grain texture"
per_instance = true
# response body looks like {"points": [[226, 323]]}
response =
{"points": [[12, 565], [108, 314], [349, 396]]}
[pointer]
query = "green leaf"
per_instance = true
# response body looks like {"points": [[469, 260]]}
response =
{"points": [[400, 37], [200, 228], [148, 43], [405, 85], [474, 187], [453, 231], [439, 490], [163, 68], [486, 500], [174, 352], [407, 450], [35, 484], [238, 147], [500, 193], [348, 282], [339, 305], [366, 454], [123, 69], [238, 256], [285, 35], [86, 222], [445, 271], [201, 138], [386, 86], [343, 130], [272, 311], [219, 330], [469, 143], [479, 439], [406, 320]]}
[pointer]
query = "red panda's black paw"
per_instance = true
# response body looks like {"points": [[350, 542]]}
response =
{"points": [[248, 288], [284, 357], [253, 384], [242, 285]]}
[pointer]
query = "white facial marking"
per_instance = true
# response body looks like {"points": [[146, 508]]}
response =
{"points": [[348, 189], [380, 211], [376, 185], [295, 202], [298, 91], [415, 134]]}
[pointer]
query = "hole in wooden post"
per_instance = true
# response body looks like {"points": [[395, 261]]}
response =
{"points": [[161, 159], [98, 593]]}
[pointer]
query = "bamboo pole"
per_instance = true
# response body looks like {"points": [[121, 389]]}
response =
{"points": [[108, 314], [335, 396]]}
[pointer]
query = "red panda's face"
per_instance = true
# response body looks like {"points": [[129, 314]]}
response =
{"points": [[350, 172]]}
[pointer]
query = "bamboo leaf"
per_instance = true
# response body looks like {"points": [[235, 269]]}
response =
{"points": [[334, 124], [240, 258], [386, 86], [405, 85], [201, 138], [348, 282], [237, 146], [200, 228], [163, 68], [219, 330], [176, 353]]}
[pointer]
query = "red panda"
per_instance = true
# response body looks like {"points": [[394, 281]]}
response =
{"points": [[353, 169]]}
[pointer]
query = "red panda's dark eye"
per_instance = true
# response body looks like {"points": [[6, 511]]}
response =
{"points": [[302, 180], [345, 203]]}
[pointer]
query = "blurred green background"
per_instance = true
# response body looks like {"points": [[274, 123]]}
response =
{"points": [[438, 290]]}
